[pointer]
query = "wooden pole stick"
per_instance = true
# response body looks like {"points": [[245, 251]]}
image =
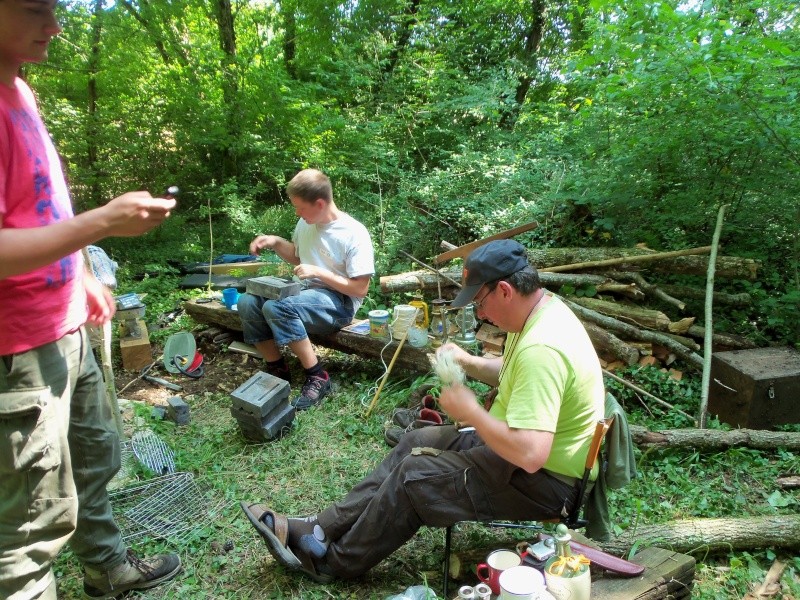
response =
{"points": [[435, 270], [627, 259], [105, 359], [709, 332], [464, 250], [391, 364]]}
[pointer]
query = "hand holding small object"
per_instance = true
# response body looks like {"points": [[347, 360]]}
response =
{"points": [[447, 368]]}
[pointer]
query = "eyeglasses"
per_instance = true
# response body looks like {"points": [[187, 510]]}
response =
{"points": [[479, 303]]}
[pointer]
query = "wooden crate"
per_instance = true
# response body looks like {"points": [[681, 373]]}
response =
{"points": [[757, 388]]}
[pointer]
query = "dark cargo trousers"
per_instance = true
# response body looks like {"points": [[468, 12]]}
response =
{"points": [[59, 447], [436, 477]]}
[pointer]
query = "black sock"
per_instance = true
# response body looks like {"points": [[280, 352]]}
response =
{"points": [[278, 365], [315, 371]]}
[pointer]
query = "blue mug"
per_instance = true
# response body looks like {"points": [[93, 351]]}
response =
{"points": [[230, 297]]}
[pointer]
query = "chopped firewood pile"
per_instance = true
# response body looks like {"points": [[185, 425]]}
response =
{"points": [[629, 319]]}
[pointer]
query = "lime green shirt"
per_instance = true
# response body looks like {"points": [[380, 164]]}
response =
{"points": [[551, 380]]}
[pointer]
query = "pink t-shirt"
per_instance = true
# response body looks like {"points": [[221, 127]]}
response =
{"points": [[45, 304]]}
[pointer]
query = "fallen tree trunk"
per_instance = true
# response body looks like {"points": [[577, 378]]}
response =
{"points": [[712, 536], [635, 315], [605, 342], [735, 342], [726, 266], [418, 280], [631, 332], [739, 300], [647, 288], [642, 258], [710, 439], [413, 359], [427, 280]]}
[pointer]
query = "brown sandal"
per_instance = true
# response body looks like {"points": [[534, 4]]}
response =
{"points": [[277, 541]]}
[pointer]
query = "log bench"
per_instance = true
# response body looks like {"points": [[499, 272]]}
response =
{"points": [[410, 358]]}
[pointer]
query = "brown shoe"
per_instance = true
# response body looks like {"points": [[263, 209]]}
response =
{"points": [[132, 574], [403, 417], [393, 433]]}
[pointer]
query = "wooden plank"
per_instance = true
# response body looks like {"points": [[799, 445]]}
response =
{"points": [[136, 352], [413, 359], [242, 348], [668, 575], [218, 282], [248, 268], [464, 250]]}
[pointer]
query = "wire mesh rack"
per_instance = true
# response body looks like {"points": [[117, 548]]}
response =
{"points": [[169, 507], [153, 452]]}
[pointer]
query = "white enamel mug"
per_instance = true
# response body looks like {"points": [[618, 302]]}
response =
{"points": [[521, 583]]}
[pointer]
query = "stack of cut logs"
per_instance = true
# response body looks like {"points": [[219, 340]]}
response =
{"points": [[606, 288]]}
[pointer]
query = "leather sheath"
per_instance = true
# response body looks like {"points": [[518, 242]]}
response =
{"points": [[612, 563]]}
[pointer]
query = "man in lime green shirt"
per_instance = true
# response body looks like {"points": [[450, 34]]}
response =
{"points": [[550, 384], [520, 458]]}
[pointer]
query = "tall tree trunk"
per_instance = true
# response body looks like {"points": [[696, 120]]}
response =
{"points": [[529, 58], [403, 35], [289, 37], [92, 126], [230, 85], [152, 28]]}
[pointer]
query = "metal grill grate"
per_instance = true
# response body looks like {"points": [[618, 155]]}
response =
{"points": [[167, 507], [152, 452]]}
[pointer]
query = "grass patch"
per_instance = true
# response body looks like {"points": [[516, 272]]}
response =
{"points": [[331, 447]]}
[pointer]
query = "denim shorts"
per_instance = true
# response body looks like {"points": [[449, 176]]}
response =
{"points": [[317, 311]]}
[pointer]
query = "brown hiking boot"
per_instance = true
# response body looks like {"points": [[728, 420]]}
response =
{"points": [[132, 574], [403, 417]]}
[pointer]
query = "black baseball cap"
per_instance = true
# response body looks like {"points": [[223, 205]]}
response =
{"points": [[490, 262]]}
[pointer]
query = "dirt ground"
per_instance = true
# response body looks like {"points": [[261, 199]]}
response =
{"points": [[223, 371]]}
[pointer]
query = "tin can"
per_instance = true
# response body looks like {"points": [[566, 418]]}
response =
{"points": [[379, 324]]}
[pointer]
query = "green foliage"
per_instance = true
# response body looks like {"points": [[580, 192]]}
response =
{"points": [[640, 121], [683, 394]]}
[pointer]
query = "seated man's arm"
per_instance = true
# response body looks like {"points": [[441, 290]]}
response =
{"points": [[350, 286], [525, 448], [482, 368], [280, 246]]}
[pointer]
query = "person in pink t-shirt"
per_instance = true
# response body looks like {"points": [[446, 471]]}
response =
{"points": [[59, 446]]}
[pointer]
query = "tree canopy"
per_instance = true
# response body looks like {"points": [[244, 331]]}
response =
{"points": [[607, 122]]}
